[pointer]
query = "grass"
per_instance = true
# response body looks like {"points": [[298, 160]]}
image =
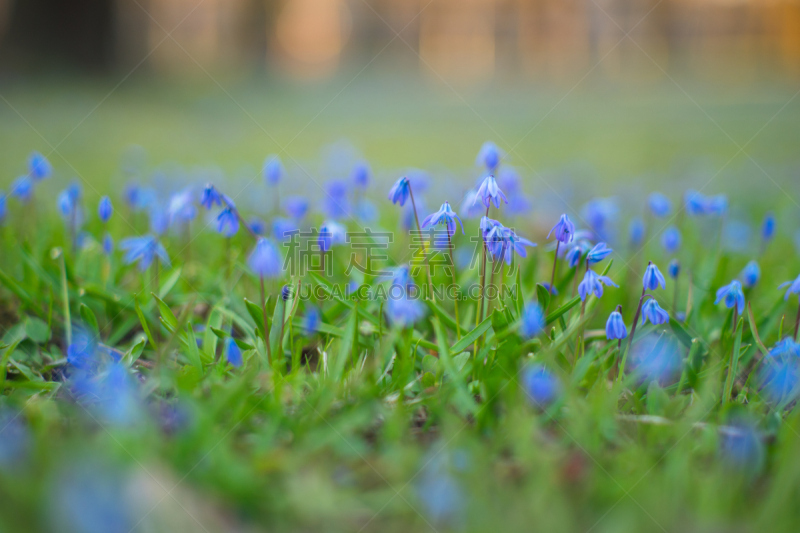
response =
{"points": [[364, 425]]}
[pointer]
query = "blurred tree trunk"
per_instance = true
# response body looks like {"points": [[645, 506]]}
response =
{"points": [[62, 33]]}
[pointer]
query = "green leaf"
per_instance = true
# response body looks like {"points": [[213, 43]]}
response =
{"points": [[275, 342], [754, 330], [472, 336], [542, 296], [443, 315], [244, 345], [89, 318], [14, 287], [4, 362], [37, 330], [327, 288], [346, 346], [193, 352], [133, 354], [220, 333], [464, 401], [680, 332], [257, 314], [143, 322], [169, 282], [555, 315], [519, 299], [166, 313], [734, 366]]}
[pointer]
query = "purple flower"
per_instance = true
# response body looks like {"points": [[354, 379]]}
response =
{"points": [[593, 283], [652, 311], [400, 191], [489, 192], [575, 253], [210, 197], [444, 215], [265, 260], [733, 295], [502, 242], [653, 278], [615, 326], [564, 230]]}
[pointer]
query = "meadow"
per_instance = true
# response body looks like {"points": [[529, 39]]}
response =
{"points": [[252, 307]]}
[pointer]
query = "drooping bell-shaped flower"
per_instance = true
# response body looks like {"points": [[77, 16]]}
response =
{"points": [[751, 274], [265, 260], [489, 156], [273, 170], [733, 296], [659, 204], [615, 326], [105, 209], [39, 167], [143, 250], [564, 230], [228, 222], [671, 239], [593, 283], [489, 192], [654, 313], [794, 287], [653, 278], [445, 215], [598, 253], [400, 191]]}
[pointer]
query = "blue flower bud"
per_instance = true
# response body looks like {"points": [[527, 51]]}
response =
{"points": [[105, 209], [751, 274], [653, 278], [674, 268], [615, 326]]}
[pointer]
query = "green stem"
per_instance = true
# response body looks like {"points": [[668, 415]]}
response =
{"points": [[422, 245], [453, 275]]}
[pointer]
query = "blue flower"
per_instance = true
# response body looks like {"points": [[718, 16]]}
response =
{"points": [[733, 295], [671, 239], [233, 353], [768, 227], [361, 174], [336, 203], [65, 204], [210, 197], [652, 311], [600, 214], [470, 207], [440, 493], [794, 287], [655, 358], [312, 320], [16, 438], [39, 167], [3, 207], [533, 321], [541, 387], [636, 231], [751, 274], [489, 156], [598, 253], [696, 204], [22, 188], [227, 222], [489, 192], [717, 205], [365, 211], [508, 179], [283, 228], [564, 230], [674, 268], [741, 447], [131, 195], [507, 243], [780, 375], [265, 260], [444, 215], [615, 326], [272, 170], [159, 219], [330, 234], [257, 226], [144, 250], [573, 256], [108, 244], [653, 278], [110, 393], [181, 208], [286, 293], [400, 191], [403, 307], [105, 209], [548, 288], [296, 206], [659, 204], [593, 283]]}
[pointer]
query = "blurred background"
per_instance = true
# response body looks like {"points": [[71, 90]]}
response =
{"points": [[627, 87]]}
